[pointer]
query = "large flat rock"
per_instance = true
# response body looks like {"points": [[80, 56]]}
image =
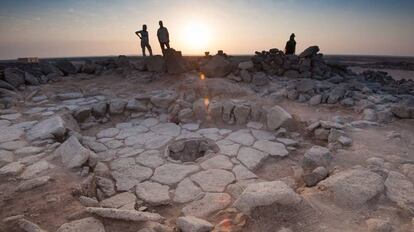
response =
{"points": [[153, 193], [89, 224], [251, 158], [72, 153], [272, 148], [213, 180], [170, 173]]}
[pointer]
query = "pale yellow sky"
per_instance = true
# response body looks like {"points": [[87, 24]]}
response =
{"points": [[95, 28]]}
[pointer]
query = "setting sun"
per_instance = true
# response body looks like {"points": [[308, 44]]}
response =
{"points": [[196, 36]]}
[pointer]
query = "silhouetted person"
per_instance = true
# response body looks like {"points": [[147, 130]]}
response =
{"points": [[143, 35], [163, 37], [290, 48]]}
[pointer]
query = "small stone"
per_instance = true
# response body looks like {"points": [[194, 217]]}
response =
{"points": [[89, 224], [126, 215], [193, 224], [315, 157], [11, 169], [315, 176], [277, 117]]}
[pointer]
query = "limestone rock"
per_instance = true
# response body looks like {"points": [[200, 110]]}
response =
{"points": [[72, 153], [353, 187], [119, 200], [217, 162], [245, 65], [89, 224], [251, 158], [213, 180], [153, 193], [164, 98], [129, 176], [14, 77], [400, 190], [309, 52], [378, 225], [193, 224], [187, 191], [126, 215], [66, 67], [155, 63], [315, 157], [117, 106], [277, 117], [272, 148], [241, 137], [52, 128], [173, 173], [315, 176], [266, 194], [217, 66]]}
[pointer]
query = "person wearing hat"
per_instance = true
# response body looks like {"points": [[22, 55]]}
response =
{"points": [[290, 48]]}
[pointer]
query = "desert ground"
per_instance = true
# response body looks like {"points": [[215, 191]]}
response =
{"points": [[268, 142]]}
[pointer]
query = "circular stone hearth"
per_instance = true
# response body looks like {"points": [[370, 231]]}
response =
{"points": [[189, 150]]}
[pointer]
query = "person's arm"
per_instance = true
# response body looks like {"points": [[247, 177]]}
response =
{"points": [[137, 33], [168, 34]]}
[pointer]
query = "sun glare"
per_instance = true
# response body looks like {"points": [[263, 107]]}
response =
{"points": [[197, 36]]}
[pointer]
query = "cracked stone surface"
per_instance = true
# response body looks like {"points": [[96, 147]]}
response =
{"points": [[153, 193], [251, 158], [241, 137], [150, 158], [187, 191], [217, 162], [213, 180], [272, 148], [171, 173], [129, 176]]}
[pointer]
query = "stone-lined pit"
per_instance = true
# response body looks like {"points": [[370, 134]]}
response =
{"points": [[189, 150]]}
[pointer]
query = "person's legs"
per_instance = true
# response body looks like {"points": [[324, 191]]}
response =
{"points": [[143, 48], [162, 47], [149, 49], [168, 45]]}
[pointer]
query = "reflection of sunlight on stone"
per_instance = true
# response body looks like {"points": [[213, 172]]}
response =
{"points": [[206, 102], [202, 76], [226, 225]]}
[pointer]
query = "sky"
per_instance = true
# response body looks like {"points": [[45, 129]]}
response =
{"points": [[52, 28]]}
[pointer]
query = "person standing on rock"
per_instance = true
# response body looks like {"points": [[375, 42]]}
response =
{"points": [[290, 48], [143, 35], [163, 37]]}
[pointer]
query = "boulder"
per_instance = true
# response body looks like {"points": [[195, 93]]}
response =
{"points": [[246, 65], [164, 98], [30, 79], [6, 85], [266, 194], [309, 52], [315, 176], [245, 76], [260, 79], [66, 67], [353, 187], [82, 113], [174, 61], [48, 68], [400, 190], [72, 153], [53, 128], [193, 224], [242, 113], [117, 106], [155, 63], [315, 157], [291, 74], [277, 117], [89, 224], [89, 67], [217, 66], [14, 77]]}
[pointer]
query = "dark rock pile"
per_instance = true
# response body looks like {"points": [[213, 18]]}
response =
{"points": [[309, 64]]}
